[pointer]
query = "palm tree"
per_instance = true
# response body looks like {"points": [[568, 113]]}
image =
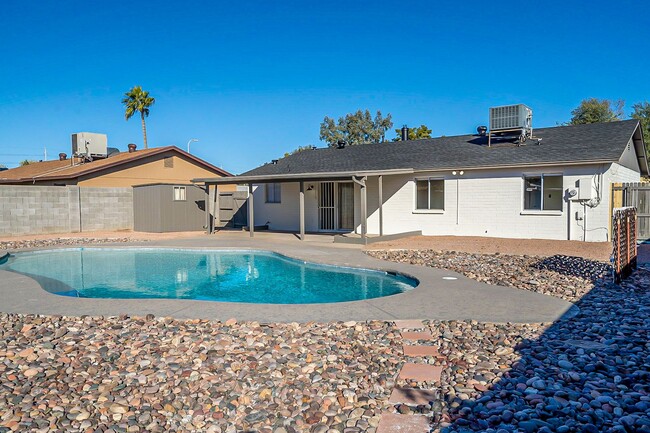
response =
{"points": [[137, 100]]}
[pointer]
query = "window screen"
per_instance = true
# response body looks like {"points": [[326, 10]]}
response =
{"points": [[179, 193], [430, 194], [273, 192]]}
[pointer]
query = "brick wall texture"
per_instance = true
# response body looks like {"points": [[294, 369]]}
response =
{"points": [[59, 209]]}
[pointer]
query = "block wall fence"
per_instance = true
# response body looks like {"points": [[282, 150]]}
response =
{"points": [[59, 209]]}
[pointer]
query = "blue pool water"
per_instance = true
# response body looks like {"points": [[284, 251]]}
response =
{"points": [[230, 276]]}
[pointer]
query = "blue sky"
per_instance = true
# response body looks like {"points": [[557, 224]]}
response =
{"points": [[252, 80]]}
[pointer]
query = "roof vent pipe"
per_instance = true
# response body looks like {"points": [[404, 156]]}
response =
{"points": [[132, 148], [482, 130], [340, 144], [405, 133], [62, 156]]}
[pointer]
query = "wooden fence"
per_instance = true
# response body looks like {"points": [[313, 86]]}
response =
{"points": [[635, 195], [624, 242]]}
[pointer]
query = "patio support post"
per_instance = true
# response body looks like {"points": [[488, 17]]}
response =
{"points": [[251, 214], [302, 210], [381, 205], [215, 219], [364, 207], [207, 209]]}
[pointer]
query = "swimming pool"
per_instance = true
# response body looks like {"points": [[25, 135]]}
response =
{"points": [[211, 275]]}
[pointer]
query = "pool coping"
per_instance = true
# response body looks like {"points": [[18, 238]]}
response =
{"points": [[433, 298]]}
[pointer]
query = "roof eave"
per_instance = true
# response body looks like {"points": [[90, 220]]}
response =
{"points": [[297, 177]]}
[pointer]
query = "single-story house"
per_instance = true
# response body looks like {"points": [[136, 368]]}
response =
{"points": [[555, 185], [167, 164]]}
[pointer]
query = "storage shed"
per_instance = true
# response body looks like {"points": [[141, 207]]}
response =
{"points": [[164, 207]]}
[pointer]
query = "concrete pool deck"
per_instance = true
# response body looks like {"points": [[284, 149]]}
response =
{"points": [[434, 298]]}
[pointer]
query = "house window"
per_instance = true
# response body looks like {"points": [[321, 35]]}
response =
{"points": [[273, 192], [169, 162], [179, 193], [543, 192], [430, 194]]}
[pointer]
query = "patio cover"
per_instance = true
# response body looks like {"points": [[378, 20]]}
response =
{"points": [[359, 177]]}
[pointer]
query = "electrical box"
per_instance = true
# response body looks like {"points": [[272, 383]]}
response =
{"points": [[585, 188], [89, 144]]}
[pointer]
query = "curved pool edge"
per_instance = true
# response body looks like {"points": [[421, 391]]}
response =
{"points": [[413, 283], [433, 298]]}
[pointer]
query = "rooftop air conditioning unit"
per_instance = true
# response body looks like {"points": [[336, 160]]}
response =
{"points": [[90, 145], [510, 117]]}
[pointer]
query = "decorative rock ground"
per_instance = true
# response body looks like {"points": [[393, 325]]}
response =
{"points": [[45, 243], [589, 373], [139, 374]]}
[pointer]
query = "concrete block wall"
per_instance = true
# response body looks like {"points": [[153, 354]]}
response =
{"points": [[59, 209], [106, 209]]}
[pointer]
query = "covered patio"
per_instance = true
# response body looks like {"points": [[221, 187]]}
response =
{"points": [[360, 179]]}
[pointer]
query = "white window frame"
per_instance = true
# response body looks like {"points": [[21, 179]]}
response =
{"points": [[541, 211], [274, 185], [182, 193], [415, 195]]}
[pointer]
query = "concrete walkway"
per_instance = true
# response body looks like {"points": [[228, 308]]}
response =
{"points": [[434, 298]]}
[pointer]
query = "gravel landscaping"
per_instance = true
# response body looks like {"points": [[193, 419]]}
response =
{"points": [[145, 374], [559, 276], [20, 244], [589, 373]]}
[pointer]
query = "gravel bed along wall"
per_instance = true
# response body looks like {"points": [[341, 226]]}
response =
{"points": [[45, 243]]}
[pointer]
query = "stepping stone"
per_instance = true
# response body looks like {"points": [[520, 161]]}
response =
{"points": [[409, 324], [412, 396], [417, 350], [394, 423], [414, 335], [420, 372]]}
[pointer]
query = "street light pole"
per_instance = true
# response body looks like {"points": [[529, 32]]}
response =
{"points": [[190, 142]]}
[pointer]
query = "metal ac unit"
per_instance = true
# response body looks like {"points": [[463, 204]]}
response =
{"points": [[511, 117], [90, 144]]}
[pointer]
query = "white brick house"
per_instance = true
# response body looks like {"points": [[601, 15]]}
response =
{"points": [[558, 188]]}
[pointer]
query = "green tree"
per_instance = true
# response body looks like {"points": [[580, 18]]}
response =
{"points": [[593, 110], [25, 162], [299, 149], [642, 114], [418, 133], [137, 100], [355, 128]]}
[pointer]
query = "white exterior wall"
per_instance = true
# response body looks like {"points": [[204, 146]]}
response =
{"points": [[285, 216], [490, 203]]}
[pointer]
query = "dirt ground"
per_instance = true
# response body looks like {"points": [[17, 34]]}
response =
{"points": [[536, 247], [470, 244]]}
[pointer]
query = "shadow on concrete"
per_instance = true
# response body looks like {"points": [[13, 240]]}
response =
{"points": [[587, 373]]}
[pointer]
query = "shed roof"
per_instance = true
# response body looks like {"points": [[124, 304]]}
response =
{"points": [[67, 169], [561, 145]]}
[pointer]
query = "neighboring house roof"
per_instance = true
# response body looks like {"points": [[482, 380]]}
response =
{"points": [[562, 145], [61, 170]]}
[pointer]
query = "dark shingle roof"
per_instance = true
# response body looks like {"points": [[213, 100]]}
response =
{"points": [[560, 145]]}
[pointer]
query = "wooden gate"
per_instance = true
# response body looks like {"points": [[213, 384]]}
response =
{"points": [[635, 195], [624, 242], [233, 209]]}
